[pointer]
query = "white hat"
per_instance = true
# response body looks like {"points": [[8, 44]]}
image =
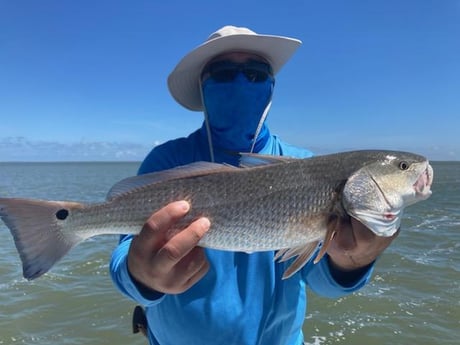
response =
{"points": [[183, 82]]}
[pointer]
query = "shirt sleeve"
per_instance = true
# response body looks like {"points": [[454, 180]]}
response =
{"points": [[158, 159], [321, 280], [124, 281]]}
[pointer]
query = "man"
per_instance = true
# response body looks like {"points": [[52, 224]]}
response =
{"points": [[202, 296]]}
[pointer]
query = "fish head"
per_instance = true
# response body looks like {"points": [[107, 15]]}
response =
{"points": [[378, 192]]}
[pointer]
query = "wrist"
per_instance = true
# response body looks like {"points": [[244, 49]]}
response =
{"points": [[144, 290], [349, 275], [346, 261]]}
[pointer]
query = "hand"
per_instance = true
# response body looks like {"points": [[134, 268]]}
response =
{"points": [[169, 263], [355, 246]]}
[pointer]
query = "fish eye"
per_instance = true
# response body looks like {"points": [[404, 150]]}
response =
{"points": [[62, 214], [403, 165]]}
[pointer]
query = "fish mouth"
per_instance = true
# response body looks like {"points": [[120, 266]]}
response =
{"points": [[422, 186]]}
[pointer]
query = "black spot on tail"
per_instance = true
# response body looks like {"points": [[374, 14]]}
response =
{"points": [[62, 214]]}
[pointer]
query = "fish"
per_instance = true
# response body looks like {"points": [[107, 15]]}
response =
{"points": [[268, 203]]}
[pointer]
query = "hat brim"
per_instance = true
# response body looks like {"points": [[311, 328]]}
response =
{"points": [[183, 82]]}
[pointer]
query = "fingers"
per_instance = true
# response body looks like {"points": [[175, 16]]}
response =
{"points": [[164, 262], [189, 270], [181, 244], [356, 246], [362, 232], [363, 235], [345, 237], [179, 263], [157, 225]]}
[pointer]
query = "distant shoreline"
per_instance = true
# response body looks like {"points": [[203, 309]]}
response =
{"points": [[68, 162], [136, 161]]}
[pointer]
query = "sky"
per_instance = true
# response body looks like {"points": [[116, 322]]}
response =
{"points": [[86, 80]]}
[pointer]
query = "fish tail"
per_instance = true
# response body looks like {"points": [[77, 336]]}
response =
{"points": [[36, 227]]}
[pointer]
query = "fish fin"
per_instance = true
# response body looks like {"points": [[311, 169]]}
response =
{"points": [[280, 253], [288, 253], [36, 229], [330, 234], [304, 254], [184, 171], [249, 160]]}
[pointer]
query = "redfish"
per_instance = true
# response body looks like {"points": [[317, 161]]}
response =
{"points": [[268, 203]]}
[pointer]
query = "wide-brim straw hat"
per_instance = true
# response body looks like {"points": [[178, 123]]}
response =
{"points": [[184, 80]]}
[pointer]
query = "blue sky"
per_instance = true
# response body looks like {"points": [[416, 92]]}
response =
{"points": [[86, 80]]}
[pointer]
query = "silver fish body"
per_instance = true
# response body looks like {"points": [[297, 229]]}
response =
{"points": [[272, 203]]}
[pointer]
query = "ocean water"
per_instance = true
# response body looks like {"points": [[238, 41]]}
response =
{"points": [[414, 297]]}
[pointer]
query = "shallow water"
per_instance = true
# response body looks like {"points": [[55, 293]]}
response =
{"points": [[414, 297]]}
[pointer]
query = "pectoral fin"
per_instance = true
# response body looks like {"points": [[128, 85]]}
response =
{"points": [[330, 234], [303, 254]]}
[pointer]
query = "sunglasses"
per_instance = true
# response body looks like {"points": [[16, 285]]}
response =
{"points": [[225, 71]]}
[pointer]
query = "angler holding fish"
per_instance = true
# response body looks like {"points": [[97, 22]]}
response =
{"points": [[228, 254]]}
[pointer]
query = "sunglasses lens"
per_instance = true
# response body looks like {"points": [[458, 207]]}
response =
{"points": [[257, 71], [255, 76], [226, 71], [224, 75]]}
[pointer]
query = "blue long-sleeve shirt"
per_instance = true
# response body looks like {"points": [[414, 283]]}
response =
{"points": [[242, 299]]}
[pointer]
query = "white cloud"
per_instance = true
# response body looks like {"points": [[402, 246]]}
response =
{"points": [[22, 149]]}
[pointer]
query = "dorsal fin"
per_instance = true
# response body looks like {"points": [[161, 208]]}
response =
{"points": [[184, 171], [248, 160]]}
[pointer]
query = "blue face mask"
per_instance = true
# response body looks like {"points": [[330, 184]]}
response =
{"points": [[234, 110]]}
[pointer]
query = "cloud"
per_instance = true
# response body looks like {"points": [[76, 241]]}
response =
{"points": [[22, 149], [14, 149]]}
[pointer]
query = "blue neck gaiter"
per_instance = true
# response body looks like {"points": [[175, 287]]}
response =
{"points": [[234, 110]]}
